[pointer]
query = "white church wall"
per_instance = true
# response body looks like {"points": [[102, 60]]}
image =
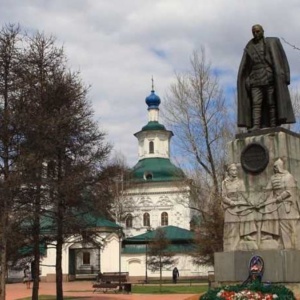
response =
{"points": [[47, 265], [135, 264], [110, 254], [155, 199]]}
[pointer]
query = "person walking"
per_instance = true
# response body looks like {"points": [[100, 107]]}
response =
{"points": [[27, 277], [175, 275]]}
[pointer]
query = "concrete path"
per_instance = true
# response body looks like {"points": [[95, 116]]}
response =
{"points": [[84, 289]]}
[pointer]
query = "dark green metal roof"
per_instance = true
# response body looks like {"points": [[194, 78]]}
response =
{"points": [[175, 248], [172, 233], [160, 169], [153, 125], [94, 221], [28, 250], [87, 219]]}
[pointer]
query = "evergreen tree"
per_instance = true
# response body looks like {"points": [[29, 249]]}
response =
{"points": [[52, 152]]}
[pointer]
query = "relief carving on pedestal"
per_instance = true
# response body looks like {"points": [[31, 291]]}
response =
{"points": [[280, 210], [261, 220], [239, 223]]}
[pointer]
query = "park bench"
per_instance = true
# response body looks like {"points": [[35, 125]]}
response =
{"points": [[112, 281], [105, 287]]}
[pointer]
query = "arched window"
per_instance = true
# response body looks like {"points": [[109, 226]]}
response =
{"points": [[148, 176], [164, 219], [86, 258], [146, 219], [151, 147], [129, 221]]}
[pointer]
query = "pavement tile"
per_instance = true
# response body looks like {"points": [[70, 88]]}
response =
{"points": [[16, 291]]}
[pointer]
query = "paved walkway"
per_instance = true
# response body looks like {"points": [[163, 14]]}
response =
{"points": [[84, 289]]}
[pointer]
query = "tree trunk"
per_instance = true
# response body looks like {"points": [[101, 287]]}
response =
{"points": [[59, 279], [35, 267], [58, 267], [160, 273], [3, 253]]}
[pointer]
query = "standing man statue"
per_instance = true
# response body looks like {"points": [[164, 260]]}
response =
{"points": [[263, 79]]}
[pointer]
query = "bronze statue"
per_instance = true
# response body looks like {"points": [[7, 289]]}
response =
{"points": [[263, 79]]}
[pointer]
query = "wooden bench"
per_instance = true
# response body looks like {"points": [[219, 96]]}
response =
{"points": [[112, 281], [105, 287]]}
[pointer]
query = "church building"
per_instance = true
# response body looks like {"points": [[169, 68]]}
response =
{"points": [[157, 196]]}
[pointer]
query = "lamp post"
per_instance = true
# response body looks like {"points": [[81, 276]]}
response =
{"points": [[146, 254], [146, 264], [120, 251]]}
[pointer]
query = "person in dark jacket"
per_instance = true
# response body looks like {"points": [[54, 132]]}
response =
{"points": [[175, 275], [263, 79]]}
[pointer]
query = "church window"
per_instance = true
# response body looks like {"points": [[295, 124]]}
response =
{"points": [[86, 258], [148, 176], [164, 219], [146, 219], [151, 147], [129, 221]]}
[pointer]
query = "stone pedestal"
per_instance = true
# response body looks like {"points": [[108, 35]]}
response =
{"points": [[279, 143], [268, 202], [255, 155], [281, 266]]}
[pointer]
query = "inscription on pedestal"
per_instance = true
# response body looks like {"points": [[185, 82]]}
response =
{"points": [[254, 158]]}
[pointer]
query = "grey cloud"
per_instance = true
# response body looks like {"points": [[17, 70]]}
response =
{"points": [[118, 45]]}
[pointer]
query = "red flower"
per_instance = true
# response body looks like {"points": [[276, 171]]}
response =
{"points": [[230, 295]]}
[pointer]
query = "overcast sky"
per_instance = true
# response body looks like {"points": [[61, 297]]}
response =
{"points": [[119, 44]]}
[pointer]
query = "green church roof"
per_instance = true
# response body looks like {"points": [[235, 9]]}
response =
{"points": [[172, 233], [181, 241], [153, 125], [87, 219], [174, 248], [95, 221], [156, 169]]}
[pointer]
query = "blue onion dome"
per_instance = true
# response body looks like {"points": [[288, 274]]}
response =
{"points": [[152, 100]]}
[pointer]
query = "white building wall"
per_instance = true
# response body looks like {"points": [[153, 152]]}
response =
{"points": [[156, 198], [47, 265], [136, 266], [161, 141], [110, 254]]}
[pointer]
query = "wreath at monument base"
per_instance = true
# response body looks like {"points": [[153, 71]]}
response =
{"points": [[253, 291]]}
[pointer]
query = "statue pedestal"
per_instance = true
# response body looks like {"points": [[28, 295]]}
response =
{"points": [[280, 266], [264, 222], [278, 142], [268, 165]]}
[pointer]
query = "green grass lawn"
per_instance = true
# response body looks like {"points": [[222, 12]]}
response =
{"points": [[169, 289]]}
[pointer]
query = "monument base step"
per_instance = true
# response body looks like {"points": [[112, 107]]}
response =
{"points": [[280, 266]]}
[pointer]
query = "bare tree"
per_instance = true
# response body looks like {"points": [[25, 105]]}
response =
{"points": [[198, 114], [116, 179], [159, 254]]}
